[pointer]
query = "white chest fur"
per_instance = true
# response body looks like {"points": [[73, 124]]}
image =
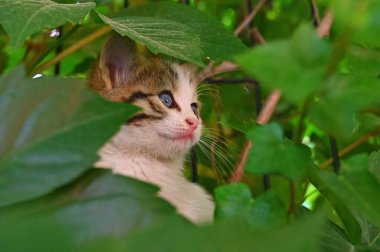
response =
{"points": [[190, 199]]}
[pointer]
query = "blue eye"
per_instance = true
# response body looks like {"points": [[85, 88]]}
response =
{"points": [[194, 107], [166, 98]]}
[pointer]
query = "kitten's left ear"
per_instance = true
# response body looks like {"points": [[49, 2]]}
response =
{"points": [[116, 66]]}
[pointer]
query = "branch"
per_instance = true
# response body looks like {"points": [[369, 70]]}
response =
{"points": [[351, 147], [209, 71], [227, 66], [249, 18], [81, 43], [269, 107], [314, 13], [239, 169], [256, 35], [324, 27], [264, 116], [230, 81]]}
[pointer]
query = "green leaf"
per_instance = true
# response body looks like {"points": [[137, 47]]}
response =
{"points": [[160, 36], [232, 200], [351, 225], [96, 206], [216, 42], [271, 153], [232, 235], [363, 61], [357, 187], [334, 240], [304, 56], [363, 21], [51, 134], [22, 18], [344, 96], [263, 213]]}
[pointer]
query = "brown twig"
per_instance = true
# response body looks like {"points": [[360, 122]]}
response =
{"points": [[270, 105], [238, 173], [248, 19], [209, 71], [256, 36], [351, 147], [314, 13], [101, 32], [324, 26], [227, 66], [263, 118]]}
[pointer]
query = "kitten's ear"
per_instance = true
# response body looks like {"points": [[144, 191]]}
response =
{"points": [[117, 63]]}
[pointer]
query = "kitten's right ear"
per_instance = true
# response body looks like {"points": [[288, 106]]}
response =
{"points": [[117, 63]]}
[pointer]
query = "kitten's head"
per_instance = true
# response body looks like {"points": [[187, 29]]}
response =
{"points": [[169, 123]]}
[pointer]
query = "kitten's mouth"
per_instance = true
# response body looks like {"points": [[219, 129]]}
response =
{"points": [[182, 137]]}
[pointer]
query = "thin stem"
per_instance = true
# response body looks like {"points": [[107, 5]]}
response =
{"points": [[238, 173], [230, 81], [324, 26], [351, 147], [52, 48], [256, 36], [335, 154], [81, 43], [258, 101], [249, 18], [270, 105], [314, 13]]}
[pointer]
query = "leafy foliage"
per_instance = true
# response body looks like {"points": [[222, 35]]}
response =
{"points": [[21, 19], [52, 127]]}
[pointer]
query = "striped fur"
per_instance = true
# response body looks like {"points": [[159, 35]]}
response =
{"points": [[147, 147]]}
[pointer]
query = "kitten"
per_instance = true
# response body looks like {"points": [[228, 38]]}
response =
{"points": [[152, 144]]}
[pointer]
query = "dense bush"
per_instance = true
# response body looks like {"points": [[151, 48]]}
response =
{"points": [[318, 152]]}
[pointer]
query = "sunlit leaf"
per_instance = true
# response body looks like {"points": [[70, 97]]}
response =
{"points": [[22, 18], [216, 42], [160, 36], [357, 187]]}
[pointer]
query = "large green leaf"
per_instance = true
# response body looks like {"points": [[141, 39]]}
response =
{"points": [[50, 132], [271, 153], [229, 236], [344, 96], [235, 201], [351, 225], [22, 18], [216, 42], [160, 36], [360, 25], [334, 240], [357, 187], [96, 206], [296, 66]]}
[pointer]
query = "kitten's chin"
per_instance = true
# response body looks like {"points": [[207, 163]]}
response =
{"points": [[176, 146]]}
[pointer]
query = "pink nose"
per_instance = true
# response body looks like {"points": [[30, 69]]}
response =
{"points": [[192, 122]]}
